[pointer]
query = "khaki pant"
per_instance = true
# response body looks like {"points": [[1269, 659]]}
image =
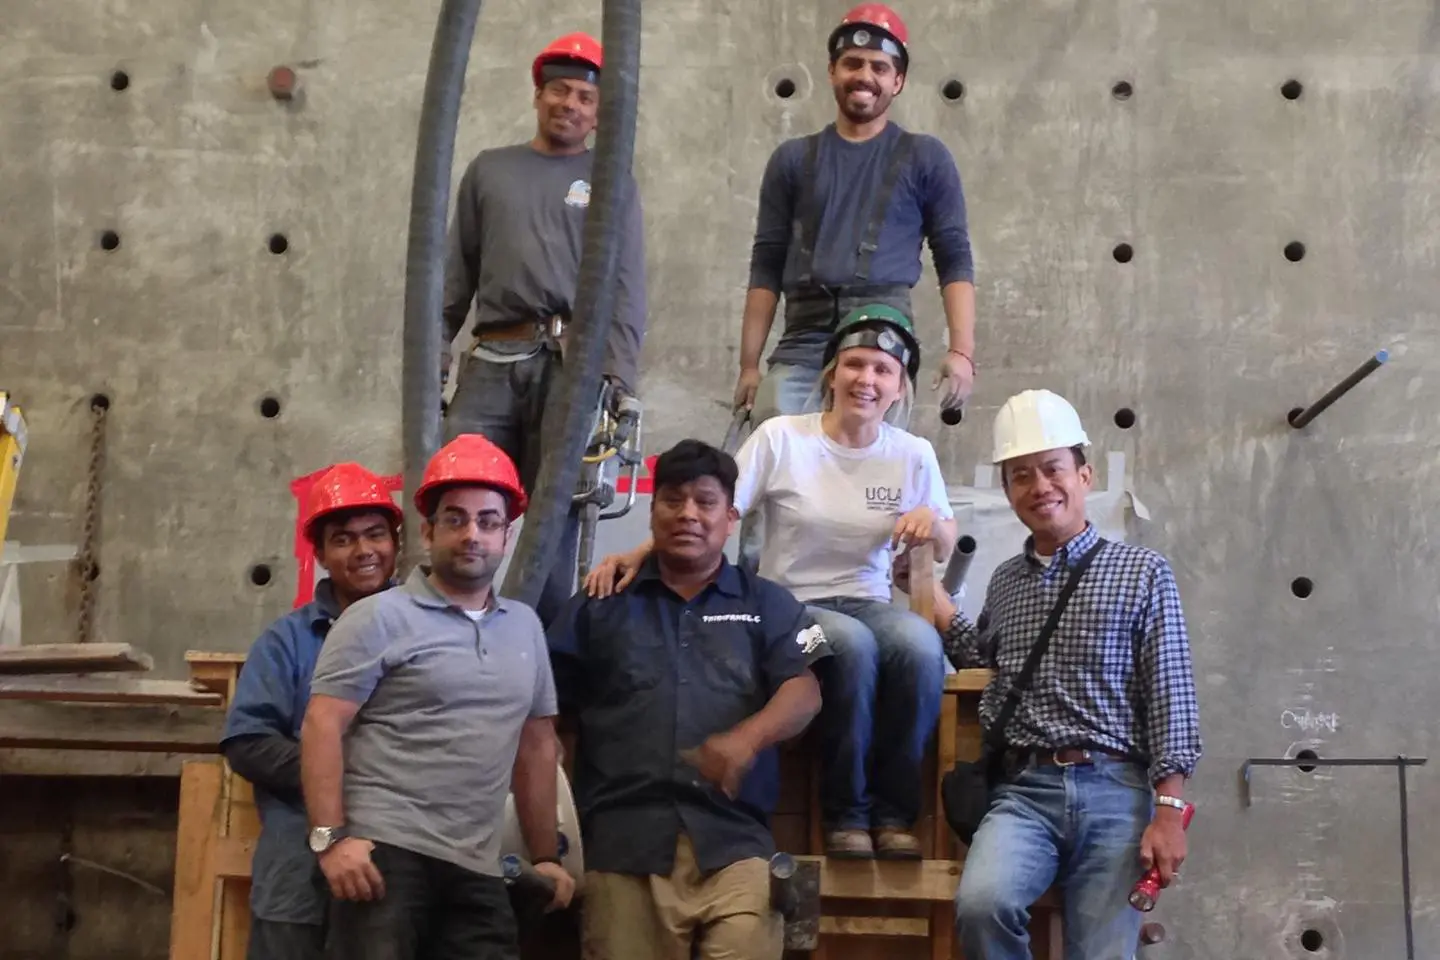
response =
{"points": [[656, 918]]}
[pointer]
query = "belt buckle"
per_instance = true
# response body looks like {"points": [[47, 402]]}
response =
{"points": [[553, 326], [1085, 758]]}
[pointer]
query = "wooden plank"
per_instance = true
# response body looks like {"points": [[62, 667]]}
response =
{"points": [[875, 926], [968, 681], [91, 763], [73, 658], [931, 880], [232, 856], [214, 657], [946, 740], [105, 690], [87, 726], [192, 916], [942, 931]]}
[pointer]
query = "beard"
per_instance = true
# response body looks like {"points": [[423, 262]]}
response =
{"points": [[862, 109]]}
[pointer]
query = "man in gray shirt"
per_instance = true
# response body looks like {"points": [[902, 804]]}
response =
{"points": [[430, 702], [515, 247]]}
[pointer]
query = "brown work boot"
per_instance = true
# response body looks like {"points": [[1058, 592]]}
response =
{"points": [[849, 845], [892, 843]]}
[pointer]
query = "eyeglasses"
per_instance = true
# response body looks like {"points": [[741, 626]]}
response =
{"points": [[457, 521]]}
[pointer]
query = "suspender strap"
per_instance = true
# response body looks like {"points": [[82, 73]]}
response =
{"points": [[996, 735], [881, 205], [806, 224]]}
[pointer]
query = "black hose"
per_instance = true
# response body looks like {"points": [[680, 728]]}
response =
{"points": [[425, 253], [570, 413]]}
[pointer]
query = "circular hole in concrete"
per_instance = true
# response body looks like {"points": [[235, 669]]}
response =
{"points": [[1124, 418], [269, 407], [99, 402], [1306, 755], [260, 574], [1294, 251], [1302, 587], [952, 90], [278, 243], [109, 240], [1291, 89], [1123, 253], [1122, 90], [1312, 940], [784, 88], [119, 80]]}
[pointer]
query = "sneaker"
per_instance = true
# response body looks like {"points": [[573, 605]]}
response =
{"points": [[849, 845], [893, 843]]}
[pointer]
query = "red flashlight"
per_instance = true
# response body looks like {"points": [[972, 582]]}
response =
{"points": [[1147, 890]]}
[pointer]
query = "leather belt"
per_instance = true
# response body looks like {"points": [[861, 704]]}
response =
{"points": [[551, 328], [1063, 757]]}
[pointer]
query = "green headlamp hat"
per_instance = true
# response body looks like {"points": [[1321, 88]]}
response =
{"points": [[882, 327]]}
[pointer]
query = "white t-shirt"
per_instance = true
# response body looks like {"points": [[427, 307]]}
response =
{"points": [[828, 511]]}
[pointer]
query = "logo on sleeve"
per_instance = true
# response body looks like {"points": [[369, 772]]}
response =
{"points": [[809, 639], [579, 194]]}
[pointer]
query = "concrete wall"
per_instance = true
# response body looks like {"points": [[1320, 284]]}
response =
{"points": [[1209, 334]]}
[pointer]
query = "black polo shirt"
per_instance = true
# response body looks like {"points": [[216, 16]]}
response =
{"points": [[646, 675]]}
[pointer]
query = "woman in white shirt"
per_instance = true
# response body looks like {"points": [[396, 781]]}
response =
{"points": [[836, 492]]}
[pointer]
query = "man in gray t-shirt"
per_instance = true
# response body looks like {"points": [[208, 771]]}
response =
{"points": [[515, 246], [430, 703]]}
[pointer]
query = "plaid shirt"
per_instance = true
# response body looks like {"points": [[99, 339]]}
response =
{"points": [[1117, 674]]}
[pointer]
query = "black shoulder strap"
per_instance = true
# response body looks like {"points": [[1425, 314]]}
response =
{"points": [[1042, 643], [806, 224], [881, 205]]}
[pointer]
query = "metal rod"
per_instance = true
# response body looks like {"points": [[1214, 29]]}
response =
{"points": [[1301, 416], [1405, 863]]}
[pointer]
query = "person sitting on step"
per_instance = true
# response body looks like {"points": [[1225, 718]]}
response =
{"points": [[837, 491]]}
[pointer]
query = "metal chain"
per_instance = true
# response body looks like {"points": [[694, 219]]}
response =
{"points": [[89, 570]]}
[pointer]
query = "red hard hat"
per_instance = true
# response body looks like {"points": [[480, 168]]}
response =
{"points": [[880, 17], [472, 459], [347, 486], [572, 46]]}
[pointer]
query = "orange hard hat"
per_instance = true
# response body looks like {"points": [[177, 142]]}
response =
{"points": [[575, 49], [892, 38], [471, 459], [347, 486]]}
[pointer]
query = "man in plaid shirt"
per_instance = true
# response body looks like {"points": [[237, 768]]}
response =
{"points": [[1104, 738]]}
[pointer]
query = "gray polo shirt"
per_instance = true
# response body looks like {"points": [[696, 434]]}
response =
{"points": [[443, 697]]}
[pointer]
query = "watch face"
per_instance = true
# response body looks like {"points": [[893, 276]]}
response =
{"points": [[320, 839]]}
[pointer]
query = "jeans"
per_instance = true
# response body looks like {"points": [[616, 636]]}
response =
{"points": [[506, 402], [1079, 826], [274, 940], [882, 686], [431, 909]]}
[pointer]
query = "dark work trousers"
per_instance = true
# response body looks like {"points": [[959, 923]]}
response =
{"points": [[274, 940], [431, 910], [506, 403]]}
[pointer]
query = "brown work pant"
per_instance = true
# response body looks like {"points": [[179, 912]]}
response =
{"points": [[652, 917]]}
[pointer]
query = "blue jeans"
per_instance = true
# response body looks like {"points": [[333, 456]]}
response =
{"points": [[882, 686], [1079, 826]]}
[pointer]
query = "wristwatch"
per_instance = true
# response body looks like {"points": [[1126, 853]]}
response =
{"points": [[323, 838], [1168, 801]]}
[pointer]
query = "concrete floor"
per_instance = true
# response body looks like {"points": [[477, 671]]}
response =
{"points": [[1208, 333]]}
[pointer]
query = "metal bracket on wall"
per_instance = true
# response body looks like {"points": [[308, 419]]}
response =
{"points": [[1400, 763]]}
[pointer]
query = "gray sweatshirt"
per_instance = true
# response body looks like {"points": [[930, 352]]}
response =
{"points": [[515, 247]]}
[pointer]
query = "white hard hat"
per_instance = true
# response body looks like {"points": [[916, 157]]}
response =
{"points": [[1033, 421], [572, 854]]}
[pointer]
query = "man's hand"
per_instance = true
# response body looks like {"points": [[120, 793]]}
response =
{"points": [[957, 376], [915, 527], [723, 759], [745, 388], [611, 575], [349, 871], [1163, 844], [564, 884]]}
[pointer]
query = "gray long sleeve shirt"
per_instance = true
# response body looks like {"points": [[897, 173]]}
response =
{"points": [[515, 246]]}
